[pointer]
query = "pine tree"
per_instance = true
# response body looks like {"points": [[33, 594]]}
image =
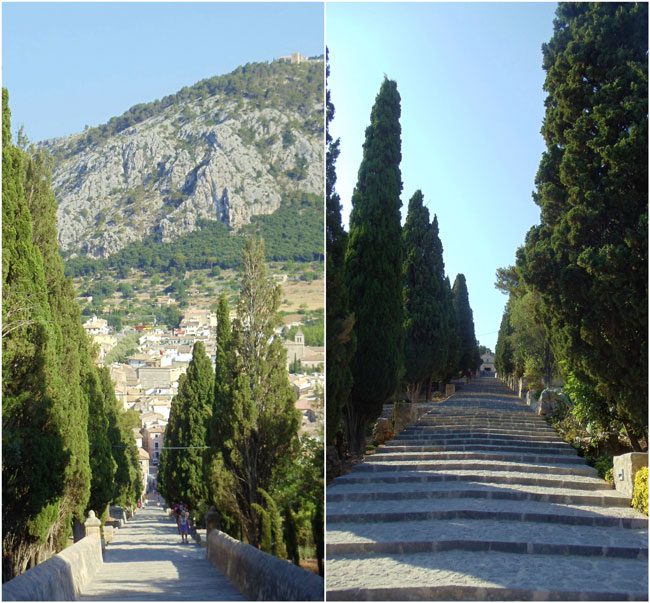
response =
{"points": [[588, 257], [259, 409], [183, 473], [340, 342], [373, 268], [468, 347]]}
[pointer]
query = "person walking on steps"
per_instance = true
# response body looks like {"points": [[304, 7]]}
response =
{"points": [[184, 526]]}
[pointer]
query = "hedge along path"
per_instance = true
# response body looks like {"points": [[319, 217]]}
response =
{"points": [[480, 499], [146, 561]]}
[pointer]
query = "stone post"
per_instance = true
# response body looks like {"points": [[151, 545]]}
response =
{"points": [[212, 521], [625, 468], [93, 525]]}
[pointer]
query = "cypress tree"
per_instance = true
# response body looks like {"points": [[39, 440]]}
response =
{"points": [[373, 268], [445, 329], [186, 433], [588, 257], [128, 484], [46, 358], [340, 341], [503, 354], [259, 410], [103, 466], [468, 348], [421, 312]]}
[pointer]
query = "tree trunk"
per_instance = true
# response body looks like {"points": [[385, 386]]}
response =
{"points": [[632, 437], [355, 427]]}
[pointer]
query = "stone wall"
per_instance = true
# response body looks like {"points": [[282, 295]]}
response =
{"points": [[625, 468], [60, 578], [259, 576]]}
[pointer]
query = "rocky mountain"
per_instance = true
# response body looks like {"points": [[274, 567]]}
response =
{"points": [[228, 148]]}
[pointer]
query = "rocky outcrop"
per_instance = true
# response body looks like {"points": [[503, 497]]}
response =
{"points": [[220, 158]]}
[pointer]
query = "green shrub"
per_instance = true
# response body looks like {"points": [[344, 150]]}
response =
{"points": [[609, 476], [640, 496], [604, 465]]}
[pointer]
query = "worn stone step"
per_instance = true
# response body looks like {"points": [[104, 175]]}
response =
{"points": [[526, 538], [515, 492], [436, 445], [425, 423], [422, 458], [475, 434], [475, 508], [452, 462], [420, 431], [467, 575], [495, 475]]}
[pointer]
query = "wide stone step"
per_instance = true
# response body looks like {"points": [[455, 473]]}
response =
{"points": [[514, 492], [504, 453], [527, 538], [426, 423], [452, 462], [437, 435], [496, 475], [475, 508], [468, 444], [467, 575], [524, 492]]}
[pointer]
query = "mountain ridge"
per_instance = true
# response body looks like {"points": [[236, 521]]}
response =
{"points": [[226, 148]]}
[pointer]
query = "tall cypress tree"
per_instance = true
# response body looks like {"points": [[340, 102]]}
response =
{"points": [[46, 469], [504, 354], [373, 268], [451, 367], [183, 474], [467, 358], [588, 257], [128, 484], [340, 342], [260, 406], [421, 312]]}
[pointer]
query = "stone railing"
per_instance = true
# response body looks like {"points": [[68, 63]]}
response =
{"points": [[259, 576], [62, 577]]}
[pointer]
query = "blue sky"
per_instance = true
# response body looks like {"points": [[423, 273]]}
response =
{"points": [[470, 78], [71, 64]]}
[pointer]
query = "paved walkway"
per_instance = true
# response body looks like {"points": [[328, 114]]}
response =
{"points": [[481, 500], [146, 561]]}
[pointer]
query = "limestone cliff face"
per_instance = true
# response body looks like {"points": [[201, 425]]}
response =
{"points": [[223, 151]]}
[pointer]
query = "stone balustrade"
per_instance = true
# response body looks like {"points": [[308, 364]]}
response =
{"points": [[62, 577], [259, 576]]}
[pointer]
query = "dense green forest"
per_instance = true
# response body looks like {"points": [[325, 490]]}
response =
{"points": [[293, 232], [273, 84], [66, 448]]}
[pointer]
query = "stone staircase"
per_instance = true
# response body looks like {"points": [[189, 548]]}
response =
{"points": [[480, 500]]}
